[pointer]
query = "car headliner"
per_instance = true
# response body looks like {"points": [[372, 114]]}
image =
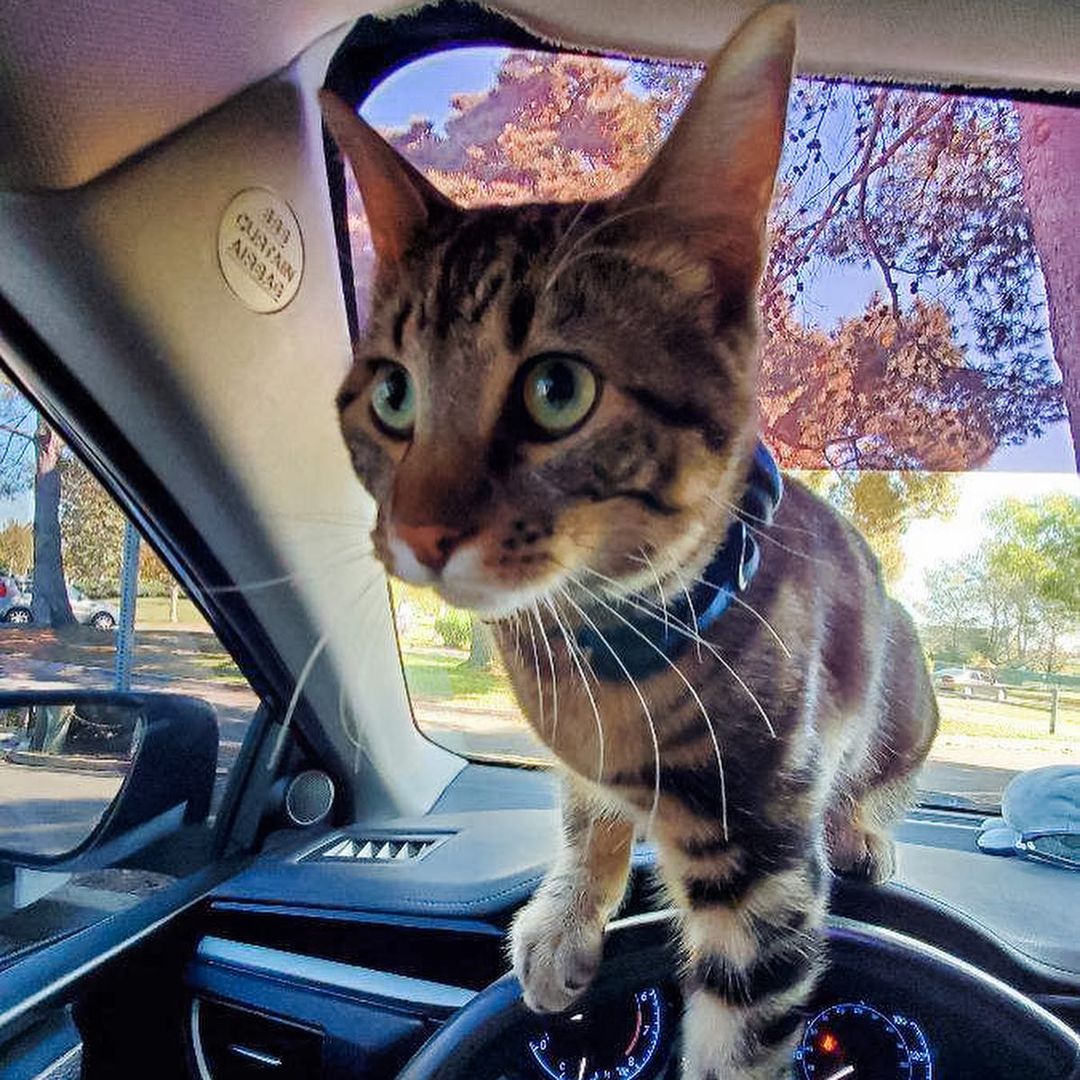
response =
{"points": [[84, 86]]}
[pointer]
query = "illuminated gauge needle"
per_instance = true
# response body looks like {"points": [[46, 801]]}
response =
{"points": [[581, 1071], [847, 1070]]}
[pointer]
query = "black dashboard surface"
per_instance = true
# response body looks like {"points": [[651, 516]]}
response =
{"points": [[500, 828], [355, 944]]}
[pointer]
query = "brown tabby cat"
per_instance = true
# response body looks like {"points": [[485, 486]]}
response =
{"points": [[554, 407]]}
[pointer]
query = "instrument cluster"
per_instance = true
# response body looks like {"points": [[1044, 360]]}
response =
{"points": [[635, 1039]]}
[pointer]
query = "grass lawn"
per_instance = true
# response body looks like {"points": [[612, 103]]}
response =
{"points": [[1000, 720], [155, 610], [441, 673], [438, 674]]}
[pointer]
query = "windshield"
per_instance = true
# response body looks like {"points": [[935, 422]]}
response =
{"points": [[908, 372]]}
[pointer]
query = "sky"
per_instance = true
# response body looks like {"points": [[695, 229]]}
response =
{"points": [[17, 508], [931, 541]]}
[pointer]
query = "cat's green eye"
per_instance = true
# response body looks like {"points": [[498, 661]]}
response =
{"points": [[559, 393], [393, 400]]}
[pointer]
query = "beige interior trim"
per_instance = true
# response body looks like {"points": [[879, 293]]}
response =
{"points": [[84, 86], [232, 409]]}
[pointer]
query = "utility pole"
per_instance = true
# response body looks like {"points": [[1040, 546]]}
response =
{"points": [[129, 587]]}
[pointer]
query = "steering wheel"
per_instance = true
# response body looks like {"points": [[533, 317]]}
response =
{"points": [[979, 1027]]}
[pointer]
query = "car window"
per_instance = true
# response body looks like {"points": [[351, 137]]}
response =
{"points": [[908, 369], [63, 763]]}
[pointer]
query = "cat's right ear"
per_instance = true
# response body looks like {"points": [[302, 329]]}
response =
{"points": [[399, 202], [711, 182]]}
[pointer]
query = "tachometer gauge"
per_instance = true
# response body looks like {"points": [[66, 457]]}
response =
{"points": [[853, 1041], [621, 1042]]}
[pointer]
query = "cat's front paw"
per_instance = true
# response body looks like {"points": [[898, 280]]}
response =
{"points": [[867, 856], [556, 953]]}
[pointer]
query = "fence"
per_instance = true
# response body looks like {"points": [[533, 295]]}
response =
{"points": [[1051, 699]]}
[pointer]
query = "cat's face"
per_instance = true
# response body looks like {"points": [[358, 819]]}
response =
{"points": [[558, 393]]}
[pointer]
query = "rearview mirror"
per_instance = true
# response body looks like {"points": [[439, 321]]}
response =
{"points": [[88, 778]]}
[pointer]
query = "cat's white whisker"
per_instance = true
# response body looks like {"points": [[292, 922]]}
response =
{"points": [[747, 516], [551, 664], [637, 690], [566, 236], [517, 637], [659, 587], [764, 622], [302, 678], [689, 686], [345, 559], [732, 509], [588, 234], [736, 599], [354, 521], [536, 665], [690, 605], [549, 603], [689, 632], [294, 700]]}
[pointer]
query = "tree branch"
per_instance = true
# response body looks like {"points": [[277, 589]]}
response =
{"points": [[866, 169], [13, 432], [864, 225]]}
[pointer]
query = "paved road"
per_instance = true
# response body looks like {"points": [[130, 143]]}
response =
{"points": [[47, 811]]}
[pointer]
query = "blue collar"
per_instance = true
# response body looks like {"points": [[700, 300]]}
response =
{"points": [[643, 642]]}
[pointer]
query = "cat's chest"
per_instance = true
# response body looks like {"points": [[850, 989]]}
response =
{"points": [[607, 721]]}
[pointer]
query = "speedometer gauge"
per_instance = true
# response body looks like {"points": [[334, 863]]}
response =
{"points": [[853, 1041], [621, 1042]]}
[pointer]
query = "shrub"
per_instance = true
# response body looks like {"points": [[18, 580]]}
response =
{"points": [[454, 628]]}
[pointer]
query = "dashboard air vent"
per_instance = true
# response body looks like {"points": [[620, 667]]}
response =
{"points": [[375, 849]]}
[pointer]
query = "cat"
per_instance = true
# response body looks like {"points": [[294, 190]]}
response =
{"points": [[554, 408]]}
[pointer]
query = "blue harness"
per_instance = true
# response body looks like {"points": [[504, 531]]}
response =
{"points": [[644, 643]]}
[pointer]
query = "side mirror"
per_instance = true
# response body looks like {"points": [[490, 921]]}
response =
{"points": [[88, 778]]}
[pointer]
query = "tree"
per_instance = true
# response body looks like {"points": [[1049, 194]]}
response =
{"points": [[1055, 623], [153, 572], [16, 548], [29, 456], [93, 531], [92, 526], [998, 599], [881, 505], [50, 605], [950, 600], [1050, 151], [482, 648], [946, 363], [1021, 588], [554, 128], [1038, 542]]}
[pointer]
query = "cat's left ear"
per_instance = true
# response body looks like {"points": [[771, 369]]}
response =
{"points": [[400, 203], [711, 182]]}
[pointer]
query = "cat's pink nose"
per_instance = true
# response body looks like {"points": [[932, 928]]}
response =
{"points": [[431, 544]]}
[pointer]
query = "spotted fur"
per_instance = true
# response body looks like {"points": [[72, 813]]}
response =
{"points": [[777, 750]]}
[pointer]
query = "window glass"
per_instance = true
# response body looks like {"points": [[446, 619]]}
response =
{"points": [[62, 763], [908, 370]]}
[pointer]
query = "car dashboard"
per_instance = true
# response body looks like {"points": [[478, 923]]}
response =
{"points": [[339, 953]]}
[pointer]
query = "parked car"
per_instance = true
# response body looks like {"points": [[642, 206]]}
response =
{"points": [[11, 596], [89, 612], [969, 683]]}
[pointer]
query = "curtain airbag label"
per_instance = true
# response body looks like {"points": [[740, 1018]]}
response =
{"points": [[260, 250]]}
